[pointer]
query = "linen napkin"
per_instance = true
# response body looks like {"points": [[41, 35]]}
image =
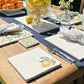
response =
{"points": [[73, 34], [5, 28]]}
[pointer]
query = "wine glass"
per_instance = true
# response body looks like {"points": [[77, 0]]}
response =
{"points": [[38, 9]]}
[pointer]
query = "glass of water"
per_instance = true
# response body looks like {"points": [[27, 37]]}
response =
{"points": [[65, 20]]}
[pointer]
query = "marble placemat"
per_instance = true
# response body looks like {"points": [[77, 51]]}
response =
{"points": [[13, 37], [75, 49], [47, 26], [33, 63], [75, 17]]}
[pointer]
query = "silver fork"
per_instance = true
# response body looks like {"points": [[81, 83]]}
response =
{"points": [[53, 50]]}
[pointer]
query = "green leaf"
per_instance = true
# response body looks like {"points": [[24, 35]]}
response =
{"points": [[41, 61], [53, 62], [45, 58]]}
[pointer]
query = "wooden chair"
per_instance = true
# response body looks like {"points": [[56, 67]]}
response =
{"points": [[81, 6]]}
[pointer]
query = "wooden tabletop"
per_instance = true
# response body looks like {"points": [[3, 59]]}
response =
{"points": [[8, 75]]}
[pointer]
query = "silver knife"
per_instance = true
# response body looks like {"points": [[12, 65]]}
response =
{"points": [[60, 53]]}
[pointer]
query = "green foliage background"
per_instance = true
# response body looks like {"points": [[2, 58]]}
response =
{"points": [[75, 4]]}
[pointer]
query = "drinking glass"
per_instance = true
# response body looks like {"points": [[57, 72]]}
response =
{"points": [[65, 19]]}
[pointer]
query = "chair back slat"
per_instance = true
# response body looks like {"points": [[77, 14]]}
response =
{"points": [[81, 6]]}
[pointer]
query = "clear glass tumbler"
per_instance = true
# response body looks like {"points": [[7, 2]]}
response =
{"points": [[65, 19]]}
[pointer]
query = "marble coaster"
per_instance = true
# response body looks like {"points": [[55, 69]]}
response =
{"points": [[28, 42]]}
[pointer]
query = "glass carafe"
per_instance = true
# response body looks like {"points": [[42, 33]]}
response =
{"points": [[38, 9]]}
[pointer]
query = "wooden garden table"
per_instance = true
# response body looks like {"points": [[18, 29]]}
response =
{"points": [[64, 75]]}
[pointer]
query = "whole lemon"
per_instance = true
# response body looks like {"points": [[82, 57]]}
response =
{"points": [[29, 19]]}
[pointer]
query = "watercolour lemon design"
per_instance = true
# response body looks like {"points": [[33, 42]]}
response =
{"points": [[46, 61], [77, 18], [16, 36], [24, 35], [4, 40]]}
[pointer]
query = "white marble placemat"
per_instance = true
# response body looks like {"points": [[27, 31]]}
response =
{"points": [[33, 63], [77, 18], [73, 48], [46, 27], [13, 37]]}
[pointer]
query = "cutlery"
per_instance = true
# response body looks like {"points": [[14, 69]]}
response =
{"points": [[54, 20], [53, 50]]}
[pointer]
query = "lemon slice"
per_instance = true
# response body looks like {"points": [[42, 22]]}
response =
{"points": [[35, 19], [37, 2], [30, 1], [46, 1]]}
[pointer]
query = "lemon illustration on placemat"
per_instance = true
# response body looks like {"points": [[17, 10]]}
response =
{"points": [[4, 40], [77, 18], [24, 35], [46, 61]]}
